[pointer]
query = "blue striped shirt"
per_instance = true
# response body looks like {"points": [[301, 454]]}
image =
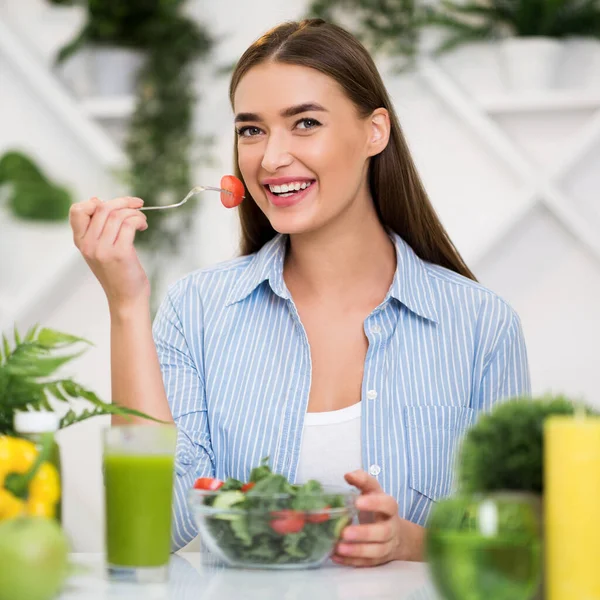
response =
{"points": [[236, 365]]}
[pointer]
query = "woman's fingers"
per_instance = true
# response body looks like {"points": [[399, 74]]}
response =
{"points": [[377, 532], [371, 551], [80, 216], [103, 212], [104, 234], [363, 481], [379, 503], [356, 562], [115, 221], [127, 232]]}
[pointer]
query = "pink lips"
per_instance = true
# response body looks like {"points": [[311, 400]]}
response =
{"points": [[289, 200]]}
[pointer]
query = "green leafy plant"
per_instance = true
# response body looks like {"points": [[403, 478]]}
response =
{"points": [[476, 20], [504, 449], [160, 142], [31, 194], [114, 22], [271, 521], [384, 26], [28, 380]]}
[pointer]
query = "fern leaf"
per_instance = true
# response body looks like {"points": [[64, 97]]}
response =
{"points": [[55, 339], [6, 347], [30, 335], [71, 417], [22, 363]]}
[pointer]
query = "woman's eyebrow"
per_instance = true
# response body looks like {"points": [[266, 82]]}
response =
{"points": [[285, 113]]}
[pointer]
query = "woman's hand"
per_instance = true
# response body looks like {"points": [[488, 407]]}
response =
{"points": [[104, 233], [387, 538]]}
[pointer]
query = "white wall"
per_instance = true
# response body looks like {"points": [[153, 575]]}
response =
{"points": [[543, 270]]}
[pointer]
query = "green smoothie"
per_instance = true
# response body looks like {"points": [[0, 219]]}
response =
{"points": [[469, 566], [139, 490]]}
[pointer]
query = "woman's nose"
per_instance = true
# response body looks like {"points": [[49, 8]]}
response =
{"points": [[276, 154]]}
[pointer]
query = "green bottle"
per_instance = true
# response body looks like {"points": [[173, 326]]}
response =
{"points": [[31, 425]]}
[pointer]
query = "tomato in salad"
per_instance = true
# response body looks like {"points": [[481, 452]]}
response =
{"points": [[287, 521], [208, 483]]}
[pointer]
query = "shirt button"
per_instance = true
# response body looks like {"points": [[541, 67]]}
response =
{"points": [[375, 329], [374, 470], [371, 395]]}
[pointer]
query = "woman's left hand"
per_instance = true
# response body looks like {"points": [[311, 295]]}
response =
{"points": [[387, 538]]}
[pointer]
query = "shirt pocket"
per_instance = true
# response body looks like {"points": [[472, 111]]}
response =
{"points": [[433, 435]]}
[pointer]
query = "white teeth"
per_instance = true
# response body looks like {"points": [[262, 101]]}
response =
{"points": [[289, 187]]}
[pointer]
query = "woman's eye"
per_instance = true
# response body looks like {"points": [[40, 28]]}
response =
{"points": [[248, 131], [308, 123]]}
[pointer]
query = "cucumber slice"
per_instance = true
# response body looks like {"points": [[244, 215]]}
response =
{"points": [[227, 500]]}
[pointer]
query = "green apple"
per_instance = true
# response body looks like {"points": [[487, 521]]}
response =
{"points": [[33, 558]]}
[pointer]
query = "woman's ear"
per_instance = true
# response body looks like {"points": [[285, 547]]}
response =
{"points": [[379, 124]]}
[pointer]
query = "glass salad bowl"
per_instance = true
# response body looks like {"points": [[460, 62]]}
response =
{"points": [[272, 524]]}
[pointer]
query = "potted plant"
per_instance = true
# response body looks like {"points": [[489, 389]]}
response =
{"points": [[530, 33], [390, 27], [488, 537], [160, 136], [113, 37]]}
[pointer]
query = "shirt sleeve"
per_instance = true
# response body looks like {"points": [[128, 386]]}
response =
{"points": [[505, 372], [184, 385]]}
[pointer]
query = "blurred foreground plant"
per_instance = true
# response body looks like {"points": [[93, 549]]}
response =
{"points": [[504, 449], [28, 380]]}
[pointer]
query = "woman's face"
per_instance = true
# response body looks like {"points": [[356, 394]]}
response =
{"points": [[303, 150]]}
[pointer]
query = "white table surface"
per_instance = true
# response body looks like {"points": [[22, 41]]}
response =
{"points": [[193, 576]]}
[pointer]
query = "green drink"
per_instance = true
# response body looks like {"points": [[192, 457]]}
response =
{"points": [[486, 547], [472, 567], [138, 477]]}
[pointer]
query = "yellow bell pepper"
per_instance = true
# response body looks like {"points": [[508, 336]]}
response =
{"points": [[28, 484]]}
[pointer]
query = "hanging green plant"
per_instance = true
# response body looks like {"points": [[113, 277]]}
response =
{"points": [[388, 27], [30, 193], [477, 20], [160, 141]]}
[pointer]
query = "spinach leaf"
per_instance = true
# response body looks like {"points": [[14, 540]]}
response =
{"points": [[291, 544], [310, 497], [239, 527], [231, 484]]}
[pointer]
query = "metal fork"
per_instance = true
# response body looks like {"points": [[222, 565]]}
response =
{"points": [[195, 190]]}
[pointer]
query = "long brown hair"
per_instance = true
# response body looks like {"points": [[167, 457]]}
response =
{"points": [[400, 199]]}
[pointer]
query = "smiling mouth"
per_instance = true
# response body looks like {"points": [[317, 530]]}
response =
{"points": [[285, 191]]}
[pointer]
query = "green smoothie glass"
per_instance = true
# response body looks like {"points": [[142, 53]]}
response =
{"points": [[138, 466]]}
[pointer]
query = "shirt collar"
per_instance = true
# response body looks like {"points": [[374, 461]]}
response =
{"points": [[411, 285], [266, 265]]}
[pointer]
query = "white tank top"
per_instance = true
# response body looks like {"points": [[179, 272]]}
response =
{"points": [[331, 446]]}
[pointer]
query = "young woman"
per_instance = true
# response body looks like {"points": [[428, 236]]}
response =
{"points": [[349, 340]]}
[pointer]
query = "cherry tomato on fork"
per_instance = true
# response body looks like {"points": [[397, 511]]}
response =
{"points": [[207, 483], [236, 187]]}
